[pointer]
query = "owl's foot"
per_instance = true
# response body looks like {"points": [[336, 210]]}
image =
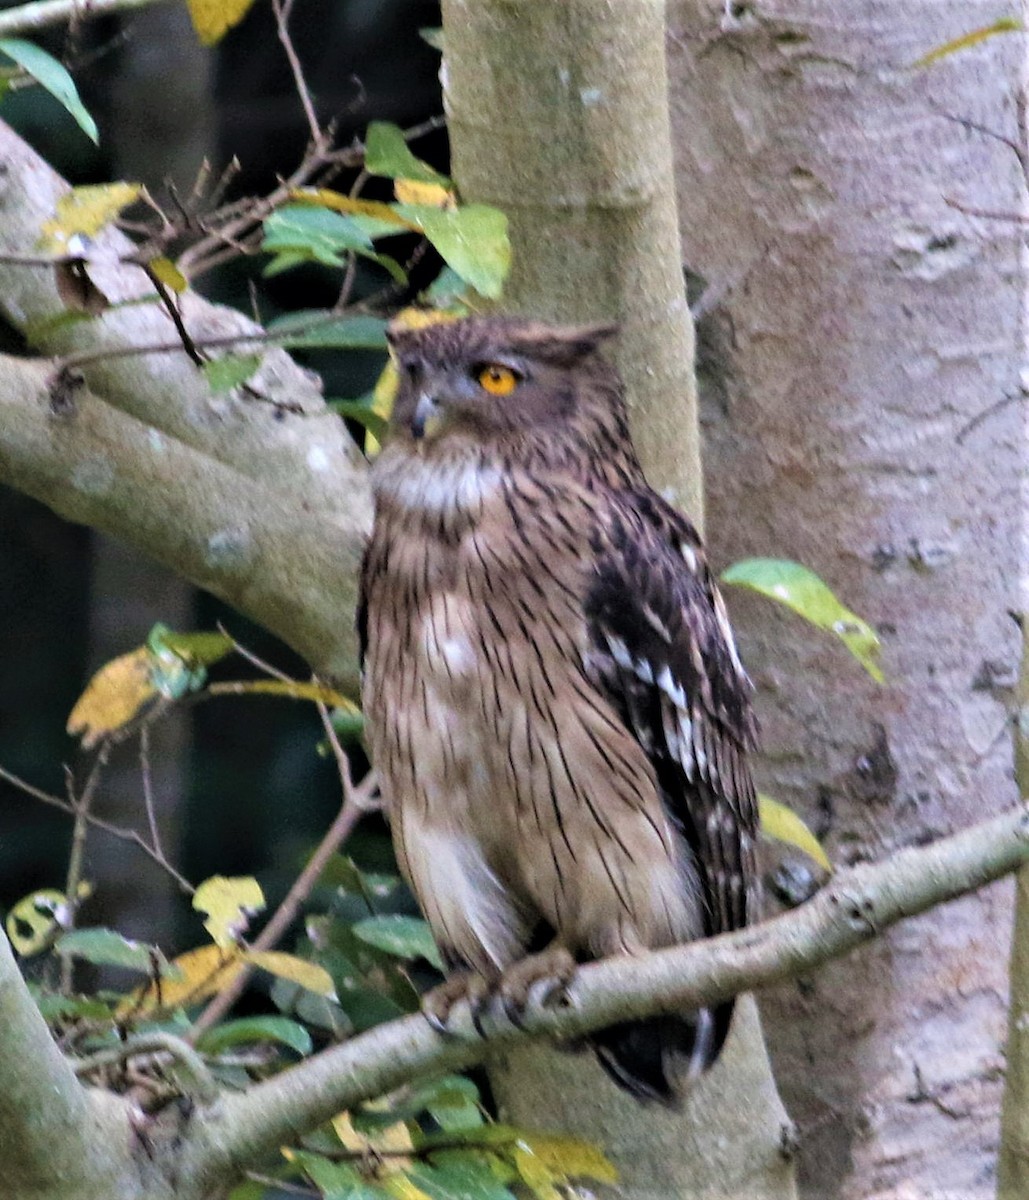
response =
{"points": [[554, 968], [462, 985]]}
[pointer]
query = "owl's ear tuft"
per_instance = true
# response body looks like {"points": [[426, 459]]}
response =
{"points": [[564, 346], [400, 338]]}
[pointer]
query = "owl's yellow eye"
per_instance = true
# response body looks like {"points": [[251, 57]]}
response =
{"points": [[497, 380]]}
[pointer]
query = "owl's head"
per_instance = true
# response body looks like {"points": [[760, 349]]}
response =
{"points": [[489, 378]]}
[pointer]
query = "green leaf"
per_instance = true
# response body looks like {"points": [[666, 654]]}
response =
{"points": [[364, 414], [70, 1008], [251, 1190], [50, 74], [457, 1179], [229, 371], [803, 591], [248, 1030], [447, 291], [335, 1181], [1002, 25], [386, 153], [779, 821], [195, 649], [307, 233], [471, 239], [106, 948], [404, 937], [452, 1102], [319, 328]]}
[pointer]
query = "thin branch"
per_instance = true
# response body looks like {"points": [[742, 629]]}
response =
{"points": [[355, 805], [856, 906], [148, 789], [172, 309], [31, 18], [122, 833], [81, 806], [282, 11], [200, 1083]]}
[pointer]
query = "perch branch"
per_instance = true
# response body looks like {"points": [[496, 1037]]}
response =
{"points": [[857, 905]]}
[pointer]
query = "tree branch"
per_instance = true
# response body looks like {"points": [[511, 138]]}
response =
{"points": [[39, 1094], [30, 18], [267, 551], [265, 504], [856, 906]]}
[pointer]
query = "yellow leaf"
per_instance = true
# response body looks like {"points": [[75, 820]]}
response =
{"points": [[200, 973], [297, 970], [229, 904], [117, 692], [383, 396], [212, 19], [35, 919], [552, 1160], [400, 1187], [169, 274], [782, 823], [338, 202], [394, 1139], [85, 211], [412, 191]]}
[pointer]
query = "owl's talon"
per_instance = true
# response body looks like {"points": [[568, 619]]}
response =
{"points": [[437, 1024], [438, 1004], [554, 969]]}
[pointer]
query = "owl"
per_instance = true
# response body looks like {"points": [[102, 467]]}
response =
{"points": [[555, 705]]}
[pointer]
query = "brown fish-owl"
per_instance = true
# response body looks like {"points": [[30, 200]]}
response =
{"points": [[556, 709]]}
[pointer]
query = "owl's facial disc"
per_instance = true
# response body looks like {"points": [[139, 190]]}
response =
{"points": [[445, 396]]}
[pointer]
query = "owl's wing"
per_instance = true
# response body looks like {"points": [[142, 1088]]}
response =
{"points": [[663, 655]]}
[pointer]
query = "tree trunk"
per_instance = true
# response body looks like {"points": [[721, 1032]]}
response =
{"points": [[558, 115], [861, 418]]}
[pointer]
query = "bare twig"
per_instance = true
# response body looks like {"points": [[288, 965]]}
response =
{"points": [[118, 831], [282, 10], [148, 789], [355, 804], [81, 806], [200, 1082], [172, 308]]}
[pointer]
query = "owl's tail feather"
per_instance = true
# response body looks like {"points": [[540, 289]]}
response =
{"points": [[658, 1058]]}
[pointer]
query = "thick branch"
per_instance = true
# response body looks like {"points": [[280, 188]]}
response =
{"points": [[52, 1130], [261, 548], [266, 477], [856, 906]]}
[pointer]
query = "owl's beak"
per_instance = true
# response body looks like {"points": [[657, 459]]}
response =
{"points": [[425, 410]]}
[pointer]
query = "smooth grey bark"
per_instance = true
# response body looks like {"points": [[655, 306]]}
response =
{"points": [[558, 115], [864, 417], [262, 500]]}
